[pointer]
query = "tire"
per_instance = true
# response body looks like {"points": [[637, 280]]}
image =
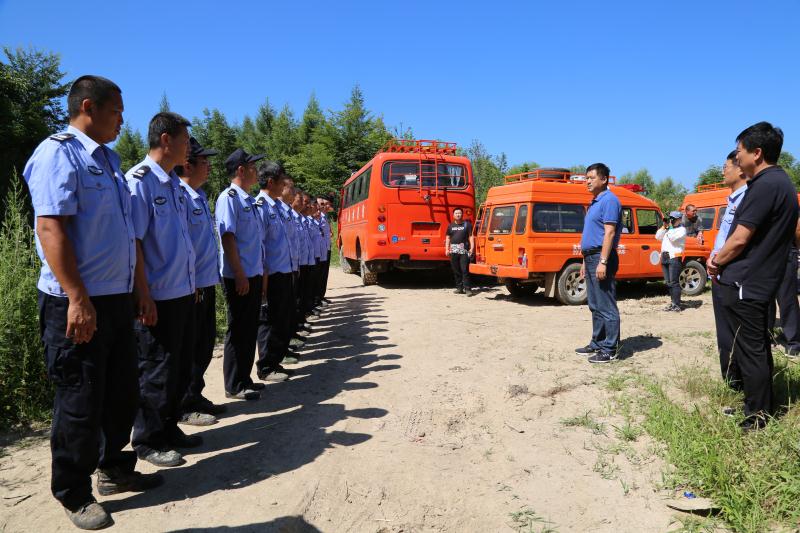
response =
{"points": [[344, 263], [693, 278], [368, 277], [521, 290], [571, 290]]}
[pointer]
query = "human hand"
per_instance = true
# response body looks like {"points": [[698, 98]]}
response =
{"points": [[146, 311], [242, 284], [81, 320], [601, 271], [583, 270]]}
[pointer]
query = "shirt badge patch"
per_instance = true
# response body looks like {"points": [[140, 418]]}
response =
{"points": [[160, 200], [95, 170], [231, 193], [198, 211], [247, 209]]}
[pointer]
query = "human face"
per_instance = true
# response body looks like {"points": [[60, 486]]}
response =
{"points": [[177, 147], [731, 173], [595, 183], [107, 118], [249, 175], [199, 171], [298, 204], [691, 213], [747, 161], [287, 195], [458, 215]]}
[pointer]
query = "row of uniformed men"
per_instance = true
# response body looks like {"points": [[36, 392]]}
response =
{"points": [[126, 290]]}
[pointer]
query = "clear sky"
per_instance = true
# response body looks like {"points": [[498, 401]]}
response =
{"points": [[665, 85]]}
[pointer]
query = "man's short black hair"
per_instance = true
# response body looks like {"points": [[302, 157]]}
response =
{"points": [[95, 88], [765, 136], [731, 156], [165, 122], [458, 209], [601, 168], [270, 170]]}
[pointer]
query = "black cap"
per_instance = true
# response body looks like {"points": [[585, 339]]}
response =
{"points": [[197, 150], [238, 158]]}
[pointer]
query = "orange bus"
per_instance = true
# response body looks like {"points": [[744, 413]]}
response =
{"points": [[528, 236], [394, 211]]}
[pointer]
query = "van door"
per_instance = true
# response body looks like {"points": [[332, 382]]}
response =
{"points": [[628, 246], [647, 223], [500, 245], [520, 237], [479, 231]]}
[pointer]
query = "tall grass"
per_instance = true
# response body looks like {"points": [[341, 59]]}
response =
{"points": [[25, 393]]}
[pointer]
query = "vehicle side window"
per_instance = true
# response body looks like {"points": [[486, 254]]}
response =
{"points": [[482, 225], [558, 218], [502, 220], [627, 220], [648, 221], [721, 215], [365, 187], [522, 220], [707, 215]]}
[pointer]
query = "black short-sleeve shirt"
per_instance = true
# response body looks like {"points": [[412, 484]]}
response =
{"points": [[459, 233], [770, 209]]}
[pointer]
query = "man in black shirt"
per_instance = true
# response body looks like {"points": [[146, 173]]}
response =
{"points": [[459, 244], [753, 261]]}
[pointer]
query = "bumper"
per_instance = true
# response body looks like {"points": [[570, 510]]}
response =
{"points": [[499, 271]]}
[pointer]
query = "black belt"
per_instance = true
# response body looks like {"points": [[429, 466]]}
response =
{"points": [[591, 251]]}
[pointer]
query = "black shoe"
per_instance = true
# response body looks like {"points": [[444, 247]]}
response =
{"points": [[273, 376], [256, 386], [730, 411], [204, 405], [471, 292], [163, 458], [753, 423], [458, 291], [180, 439], [603, 357], [291, 353], [114, 481], [90, 515], [586, 350]]}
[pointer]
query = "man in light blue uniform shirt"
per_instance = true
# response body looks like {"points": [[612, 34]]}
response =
{"points": [[287, 201], [165, 279], [242, 241], [325, 207], [198, 410], [85, 239], [602, 229], [322, 253], [306, 259], [275, 320], [733, 177]]}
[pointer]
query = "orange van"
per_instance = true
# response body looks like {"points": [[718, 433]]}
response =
{"points": [[395, 210], [528, 236], [711, 202]]}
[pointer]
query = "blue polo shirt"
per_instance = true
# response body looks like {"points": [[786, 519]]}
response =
{"points": [[725, 226], [160, 218], [236, 213], [71, 175], [604, 209], [204, 238], [277, 256]]}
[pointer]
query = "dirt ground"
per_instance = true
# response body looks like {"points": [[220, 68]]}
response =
{"points": [[414, 409]]}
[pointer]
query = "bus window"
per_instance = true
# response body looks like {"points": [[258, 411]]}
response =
{"points": [[522, 220], [627, 220], [649, 220], [407, 174], [558, 218], [502, 220], [706, 214]]}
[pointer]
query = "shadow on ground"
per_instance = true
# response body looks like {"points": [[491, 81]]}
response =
{"points": [[285, 524], [291, 425]]}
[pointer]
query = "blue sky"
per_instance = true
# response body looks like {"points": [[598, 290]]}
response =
{"points": [[661, 85]]}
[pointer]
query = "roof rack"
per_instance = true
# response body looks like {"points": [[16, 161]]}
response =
{"points": [[553, 176], [411, 146], [711, 187]]}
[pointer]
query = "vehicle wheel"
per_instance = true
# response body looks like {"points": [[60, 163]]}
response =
{"points": [[347, 266], [693, 278], [521, 290], [571, 288], [368, 277]]}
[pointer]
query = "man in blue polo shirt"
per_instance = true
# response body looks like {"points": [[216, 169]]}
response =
{"points": [[241, 239], [85, 239], [734, 178], [752, 263], [602, 229]]}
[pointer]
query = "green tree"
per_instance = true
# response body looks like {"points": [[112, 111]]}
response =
{"points": [[313, 119], [668, 194], [792, 167], [640, 177], [578, 169], [713, 174], [485, 170], [248, 137], [313, 168], [282, 142], [213, 131], [130, 147], [523, 167], [31, 108], [163, 106]]}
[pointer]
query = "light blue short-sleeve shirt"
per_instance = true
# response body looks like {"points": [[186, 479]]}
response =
{"points": [[734, 200], [71, 175], [277, 255], [326, 231], [160, 217], [204, 238], [291, 231], [303, 240], [237, 213]]}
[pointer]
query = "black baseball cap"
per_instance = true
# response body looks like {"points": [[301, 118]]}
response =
{"points": [[197, 150], [238, 158]]}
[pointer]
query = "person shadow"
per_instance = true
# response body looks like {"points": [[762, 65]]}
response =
{"points": [[284, 524], [289, 426], [637, 344]]}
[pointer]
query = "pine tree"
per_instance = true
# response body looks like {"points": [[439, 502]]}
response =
{"points": [[313, 119], [282, 142], [130, 146], [213, 131], [163, 107]]}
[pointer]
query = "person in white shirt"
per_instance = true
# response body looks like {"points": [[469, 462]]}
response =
{"points": [[673, 240]]}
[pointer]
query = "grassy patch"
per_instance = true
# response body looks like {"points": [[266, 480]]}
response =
{"points": [[753, 478], [587, 421], [526, 520]]}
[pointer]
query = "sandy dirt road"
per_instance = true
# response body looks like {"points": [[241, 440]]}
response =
{"points": [[414, 409]]}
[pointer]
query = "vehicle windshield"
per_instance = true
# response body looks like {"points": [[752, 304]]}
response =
{"points": [[406, 174]]}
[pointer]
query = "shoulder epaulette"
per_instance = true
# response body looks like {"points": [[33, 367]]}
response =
{"points": [[260, 201], [231, 193], [140, 172], [61, 137]]}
